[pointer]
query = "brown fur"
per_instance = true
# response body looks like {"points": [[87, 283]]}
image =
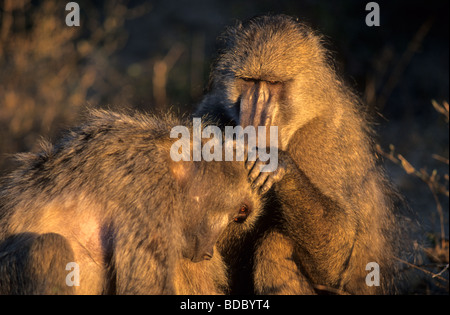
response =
{"points": [[334, 211], [109, 197]]}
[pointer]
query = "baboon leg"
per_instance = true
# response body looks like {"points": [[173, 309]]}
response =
{"points": [[35, 264], [275, 269], [48, 257], [13, 253]]}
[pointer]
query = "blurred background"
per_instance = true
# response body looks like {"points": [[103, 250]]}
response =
{"points": [[149, 55]]}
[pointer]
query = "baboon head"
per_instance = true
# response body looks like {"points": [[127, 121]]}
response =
{"points": [[215, 194], [266, 74]]}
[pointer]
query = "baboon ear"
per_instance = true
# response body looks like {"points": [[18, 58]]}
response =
{"points": [[179, 157], [182, 171]]}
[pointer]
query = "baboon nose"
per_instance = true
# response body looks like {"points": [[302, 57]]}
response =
{"points": [[207, 256]]}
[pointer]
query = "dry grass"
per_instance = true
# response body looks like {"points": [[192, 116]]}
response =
{"points": [[437, 251], [49, 71]]}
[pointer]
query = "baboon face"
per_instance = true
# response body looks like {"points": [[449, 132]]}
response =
{"points": [[263, 62], [201, 238], [210, 209]]}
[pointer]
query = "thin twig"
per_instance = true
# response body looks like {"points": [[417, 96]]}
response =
{"points": [[422, 174], [440, 158], [442, 109], [441, 272], [431, 180], [433, 275], [440, 212]]}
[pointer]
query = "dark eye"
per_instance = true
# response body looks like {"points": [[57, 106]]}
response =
{"points": [[248, 81], [243, 213]]}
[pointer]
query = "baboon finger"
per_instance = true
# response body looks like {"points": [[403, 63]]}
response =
{"points": [[249, 163], [255, 171], [260, 180], [267, 185]]}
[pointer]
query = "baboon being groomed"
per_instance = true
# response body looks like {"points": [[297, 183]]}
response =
{"points": [[331, 209], [109, 198]]}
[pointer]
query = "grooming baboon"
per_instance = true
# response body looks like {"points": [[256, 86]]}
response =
{"points": [[109, 197], [334, 211]]}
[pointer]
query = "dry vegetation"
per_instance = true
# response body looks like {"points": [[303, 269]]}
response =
{"points": [[436, 263], [49, 71]]}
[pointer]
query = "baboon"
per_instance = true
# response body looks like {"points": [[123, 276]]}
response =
{"points": [[109, 197], [331, 209]]}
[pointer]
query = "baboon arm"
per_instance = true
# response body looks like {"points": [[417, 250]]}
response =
{"points": [[276, 271], [143, 267], [323, 232]]}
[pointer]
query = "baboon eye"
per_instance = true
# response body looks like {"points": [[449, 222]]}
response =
{"points": [[249, 80], [242, 215]]}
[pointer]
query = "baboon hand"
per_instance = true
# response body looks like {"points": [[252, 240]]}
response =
{"points": [[263, 181]]}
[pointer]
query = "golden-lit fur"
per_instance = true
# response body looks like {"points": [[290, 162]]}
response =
{"points": [[334, 211], [109, 197]]}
